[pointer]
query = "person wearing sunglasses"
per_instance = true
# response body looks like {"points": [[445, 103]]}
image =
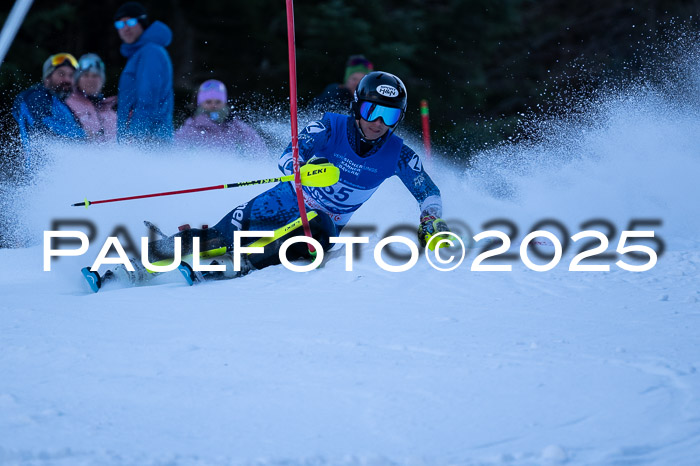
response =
{"points": [[145, 94], [363, 145], [214, 125], [95, 112], [337, 97], [41, 111]]}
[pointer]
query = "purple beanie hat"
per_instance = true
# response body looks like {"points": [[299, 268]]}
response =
{"points": [[211, 89]]}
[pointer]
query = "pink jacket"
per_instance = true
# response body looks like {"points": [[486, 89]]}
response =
{"points": [[99, 120], [201, 130]]}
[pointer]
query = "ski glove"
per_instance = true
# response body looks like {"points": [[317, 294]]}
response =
{"points": [[429, 226]]}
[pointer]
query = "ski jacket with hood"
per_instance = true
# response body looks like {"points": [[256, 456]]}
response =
{"points": [[145, 108]]}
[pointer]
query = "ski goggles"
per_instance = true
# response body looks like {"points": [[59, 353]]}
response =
{"points": [[131, 22], [91, 63], [61, 59], [370, 111]]}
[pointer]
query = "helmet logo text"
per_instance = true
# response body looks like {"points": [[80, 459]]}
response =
{"points": [[387, 91]]}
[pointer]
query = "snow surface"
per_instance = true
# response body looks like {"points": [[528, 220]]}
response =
{"points": [[367, 367]]}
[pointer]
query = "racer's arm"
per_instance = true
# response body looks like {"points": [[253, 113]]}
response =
{"points": [[410, 170], [314, 136]]}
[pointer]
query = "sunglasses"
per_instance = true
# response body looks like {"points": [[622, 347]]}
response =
{"points": [[131, 22], [62, 58], [370, 111]]}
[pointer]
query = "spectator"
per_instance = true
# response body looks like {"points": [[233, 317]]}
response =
{"points": [[214, 125], [94, 111], [337, 97], [145, 110], [41, 109]]}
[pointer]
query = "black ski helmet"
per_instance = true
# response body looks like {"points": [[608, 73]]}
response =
{"points": [[380, 88]]}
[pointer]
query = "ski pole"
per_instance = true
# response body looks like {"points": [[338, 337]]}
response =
{"points": [[314, 175], [12, 25]]}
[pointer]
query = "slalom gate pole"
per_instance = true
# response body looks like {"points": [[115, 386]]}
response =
{"points": [[291, 43], [12, 24], [311, 175], [425, 117]]}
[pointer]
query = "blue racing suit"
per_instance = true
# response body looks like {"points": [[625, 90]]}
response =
{"points": [[336, 138]]}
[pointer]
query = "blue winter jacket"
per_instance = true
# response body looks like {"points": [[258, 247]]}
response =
{"points": [[145, 108], [40, 112]]}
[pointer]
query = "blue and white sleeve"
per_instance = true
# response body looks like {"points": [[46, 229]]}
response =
{"points": [[314, 136], [410, 170]]}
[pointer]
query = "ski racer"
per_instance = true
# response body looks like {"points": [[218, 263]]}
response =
{"points": [[367, 152]]}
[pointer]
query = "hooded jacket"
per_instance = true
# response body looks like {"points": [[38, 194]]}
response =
{"points": [[145, 109]]}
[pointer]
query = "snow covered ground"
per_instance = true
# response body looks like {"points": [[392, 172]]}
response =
{"points": [[369, 367]]}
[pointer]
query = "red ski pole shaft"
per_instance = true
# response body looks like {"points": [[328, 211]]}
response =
{"points": [[293, 111], [87, 203], [319, 175]]}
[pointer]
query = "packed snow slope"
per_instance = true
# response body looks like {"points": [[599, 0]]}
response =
{"points": [[367, 366]]}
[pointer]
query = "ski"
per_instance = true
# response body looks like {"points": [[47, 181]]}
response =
{"points": [[93, 279], [96, 281], [139, 276], [193, 277], [219, 256], [187, 272]]}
